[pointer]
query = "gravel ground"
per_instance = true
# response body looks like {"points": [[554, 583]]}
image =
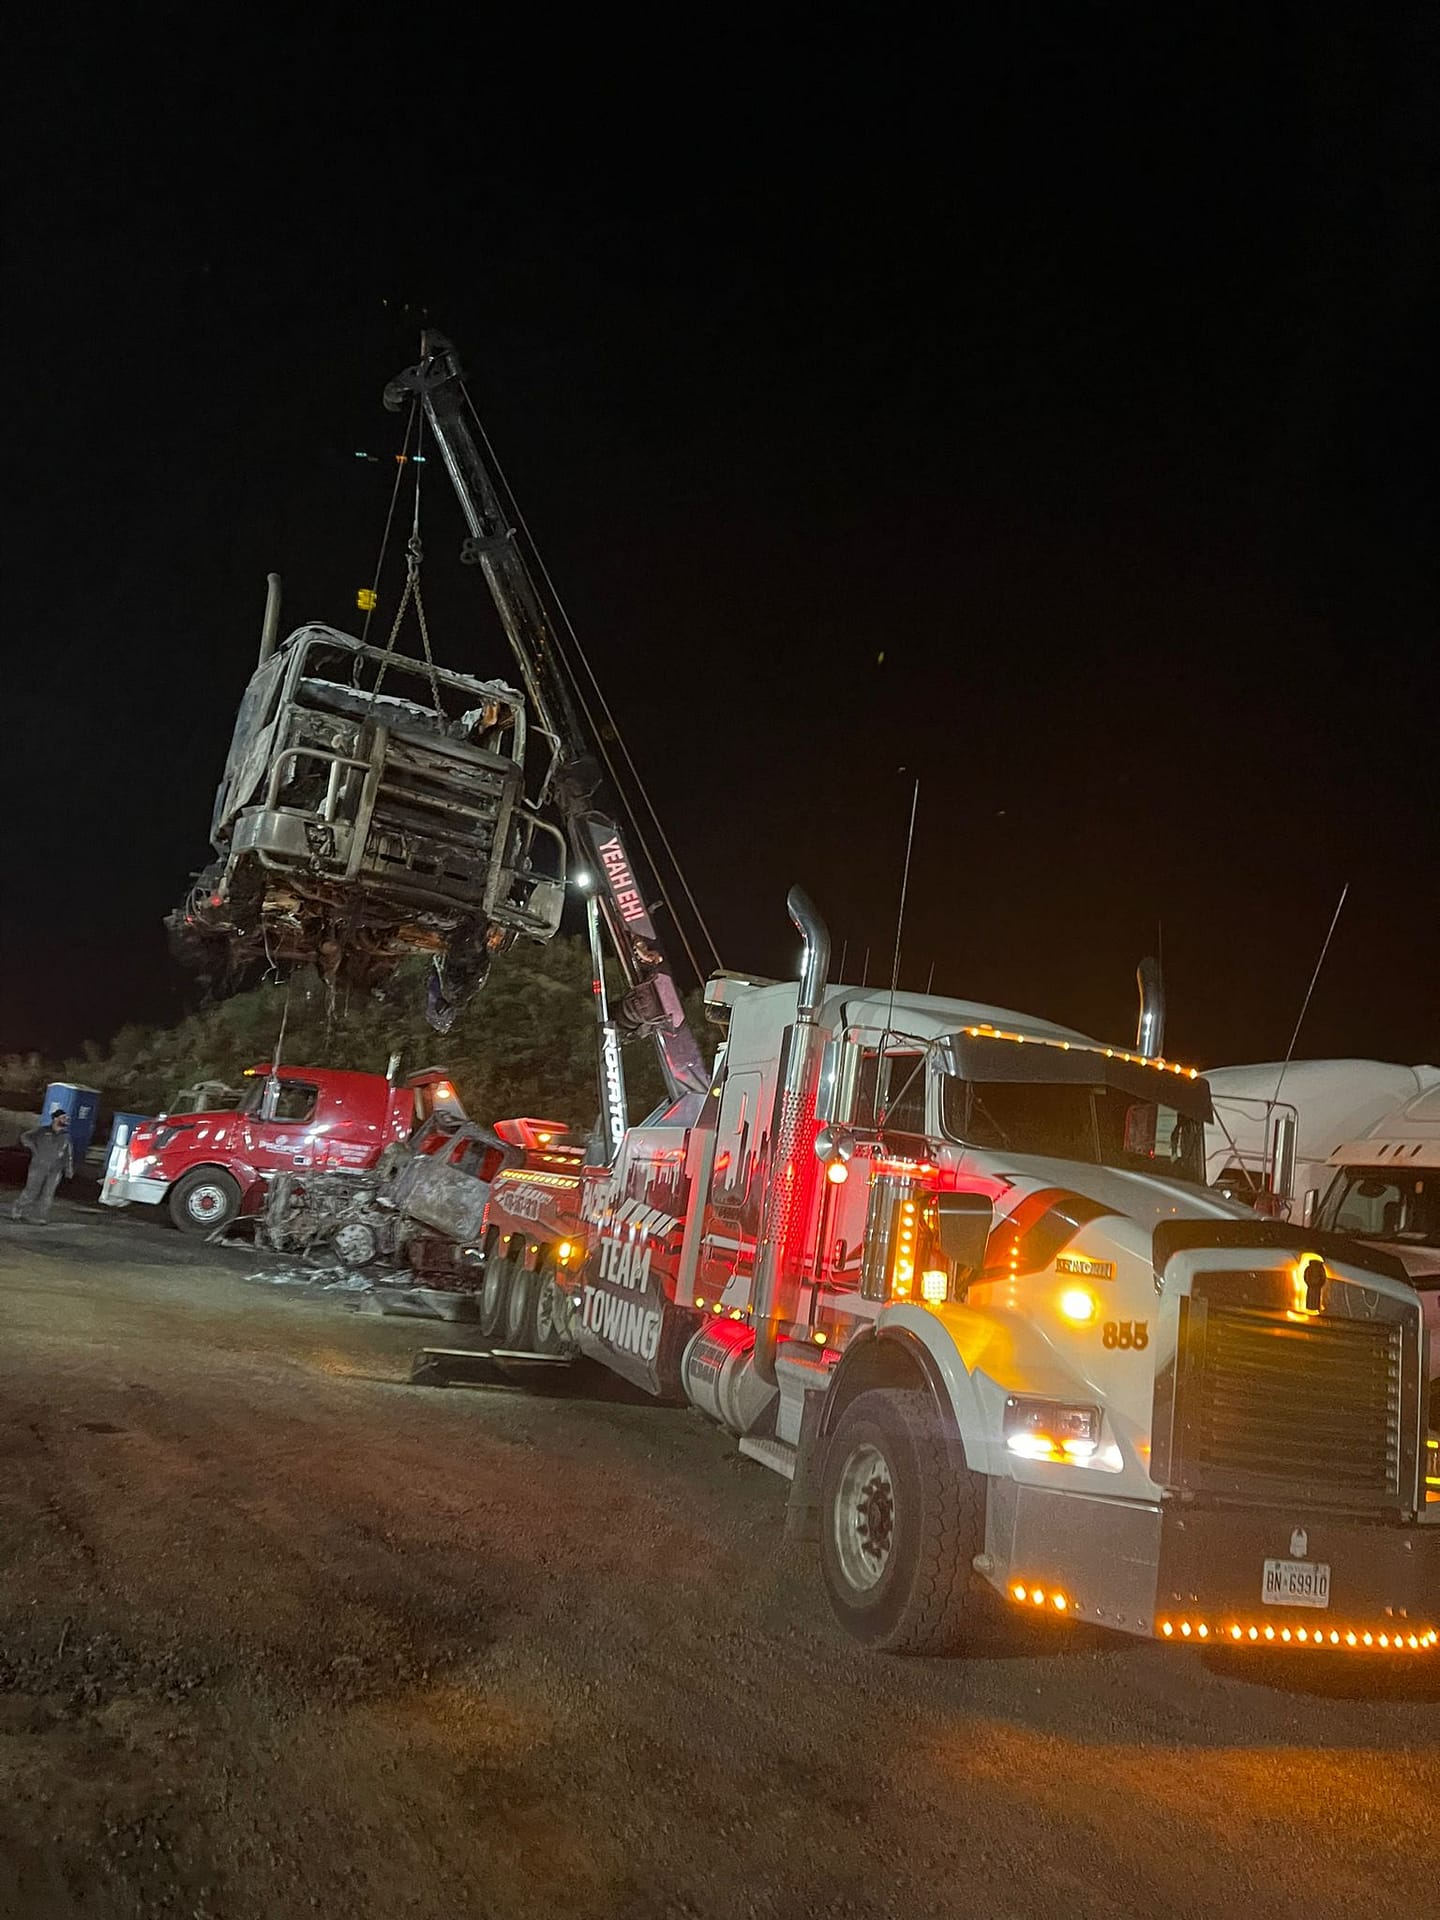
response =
{"points": [[282, 1635]]}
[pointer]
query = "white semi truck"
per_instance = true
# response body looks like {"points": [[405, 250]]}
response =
{"points": [[1277, 1124], [955, 1273], [1384, 1191]]}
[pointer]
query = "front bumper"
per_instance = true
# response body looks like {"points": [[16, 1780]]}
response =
{"points": [[1195, 1574], [1384, 1579], [129, 1187]]}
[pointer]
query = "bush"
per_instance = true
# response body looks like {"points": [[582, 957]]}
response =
{"points": [[525, 1044]]}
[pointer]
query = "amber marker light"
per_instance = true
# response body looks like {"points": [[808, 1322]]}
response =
{"points": [[837, 1173]]}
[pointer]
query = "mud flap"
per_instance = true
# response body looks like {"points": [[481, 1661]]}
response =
{"points": [[802, 1509]]}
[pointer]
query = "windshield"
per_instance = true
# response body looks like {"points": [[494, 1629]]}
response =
{"points": [[1100, 1125], [1382, 1203]]}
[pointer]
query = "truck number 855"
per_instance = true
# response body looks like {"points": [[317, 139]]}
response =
{"points": [[1127, 1334]]}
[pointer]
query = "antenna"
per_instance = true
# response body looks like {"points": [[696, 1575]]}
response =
{"points": [[1305, 1004], [865, 969], [900, 916], [844, 949]]}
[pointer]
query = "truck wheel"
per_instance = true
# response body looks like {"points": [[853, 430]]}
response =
{"points": [[901, 1520], [204, 1199], [520, 1309], [494, 1293], [355, 1244], [550, 1321]]}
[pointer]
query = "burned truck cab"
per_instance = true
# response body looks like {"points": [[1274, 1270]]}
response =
{"points": [[374, 805]]}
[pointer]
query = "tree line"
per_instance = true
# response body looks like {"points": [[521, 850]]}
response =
{"points": [[524, 1045]]}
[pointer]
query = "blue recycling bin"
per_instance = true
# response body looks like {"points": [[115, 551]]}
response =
{"points": [[81, 1106]]}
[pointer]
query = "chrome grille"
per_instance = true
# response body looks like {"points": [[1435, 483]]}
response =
{"points": [[1267, 1403]]}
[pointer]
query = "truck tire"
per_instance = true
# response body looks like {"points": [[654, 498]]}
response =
{"points": [[495, 1292], [519, 1328], [549, 1330], [901, 1520], [204, 1199]]}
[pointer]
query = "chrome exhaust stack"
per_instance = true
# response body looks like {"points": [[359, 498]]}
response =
{"points": [[1150, 1032], [792, 1153], [815, 961]]}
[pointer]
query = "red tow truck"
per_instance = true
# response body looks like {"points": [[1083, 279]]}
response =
{"points": [[209, 1167]]}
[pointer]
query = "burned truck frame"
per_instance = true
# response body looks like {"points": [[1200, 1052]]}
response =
{"points": [[354, 825], [421, 1206]]}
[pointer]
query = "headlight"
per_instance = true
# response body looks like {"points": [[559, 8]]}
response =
{"points": [[1051, 1429]]}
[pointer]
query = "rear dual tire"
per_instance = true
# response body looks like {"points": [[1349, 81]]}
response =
{"points": [[522, 1308]]}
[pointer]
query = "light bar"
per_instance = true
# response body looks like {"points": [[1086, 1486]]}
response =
{"points": [[1074, 1046], [1250, 1633]]}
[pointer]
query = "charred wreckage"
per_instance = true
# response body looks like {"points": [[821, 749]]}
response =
{"points": [[375, 805]]}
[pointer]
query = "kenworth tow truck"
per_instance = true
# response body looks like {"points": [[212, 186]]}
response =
{"points": [[954, 1272]]}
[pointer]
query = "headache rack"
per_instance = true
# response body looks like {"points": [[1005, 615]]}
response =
{"points": [[1268, 1400]]}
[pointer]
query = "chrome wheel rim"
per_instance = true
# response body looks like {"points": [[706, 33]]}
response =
{"points": [[205, 1203], [864, 1518]]}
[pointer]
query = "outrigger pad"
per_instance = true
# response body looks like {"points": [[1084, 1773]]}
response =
{"points": [[465, 1367]]}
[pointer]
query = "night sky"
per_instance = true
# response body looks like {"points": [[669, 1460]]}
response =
{"points": [[1045, 410]]}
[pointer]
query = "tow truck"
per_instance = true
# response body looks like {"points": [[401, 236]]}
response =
{"points": [[953, 1272]]}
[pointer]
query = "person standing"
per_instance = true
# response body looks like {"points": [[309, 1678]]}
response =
{"points": [[52, 1160]]}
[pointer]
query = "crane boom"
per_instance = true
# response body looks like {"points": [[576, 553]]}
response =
{"points": [[651, 1003]]}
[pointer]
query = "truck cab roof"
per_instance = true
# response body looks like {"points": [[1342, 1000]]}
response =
{"points": [[1407, 1137]]}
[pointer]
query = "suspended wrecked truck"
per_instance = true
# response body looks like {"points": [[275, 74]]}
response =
{"points": [[373, 806]]}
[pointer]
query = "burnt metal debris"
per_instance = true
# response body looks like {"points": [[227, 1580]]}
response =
{"points": [[373, 806], [420, 1207]]}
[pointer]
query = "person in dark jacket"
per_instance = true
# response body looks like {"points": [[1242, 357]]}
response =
{"points": [[51, 1160]]}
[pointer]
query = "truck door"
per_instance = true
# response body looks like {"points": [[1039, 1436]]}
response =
{"points": [[888, 1092], [732, 1213], [282, 1136]]}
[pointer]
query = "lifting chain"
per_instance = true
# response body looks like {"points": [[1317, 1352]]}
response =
{"points": [[414, 554]]}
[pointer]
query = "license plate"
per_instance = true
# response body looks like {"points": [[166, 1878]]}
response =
{"points": [[1296, 1583]]}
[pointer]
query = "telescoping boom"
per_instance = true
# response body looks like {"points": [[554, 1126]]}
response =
{"points": [[651, 1003]]}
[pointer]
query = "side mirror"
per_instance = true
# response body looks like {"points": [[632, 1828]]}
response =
{"points": [[963, 1222], [1311, 1208], [1282, 1154], [835, 1090]]}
